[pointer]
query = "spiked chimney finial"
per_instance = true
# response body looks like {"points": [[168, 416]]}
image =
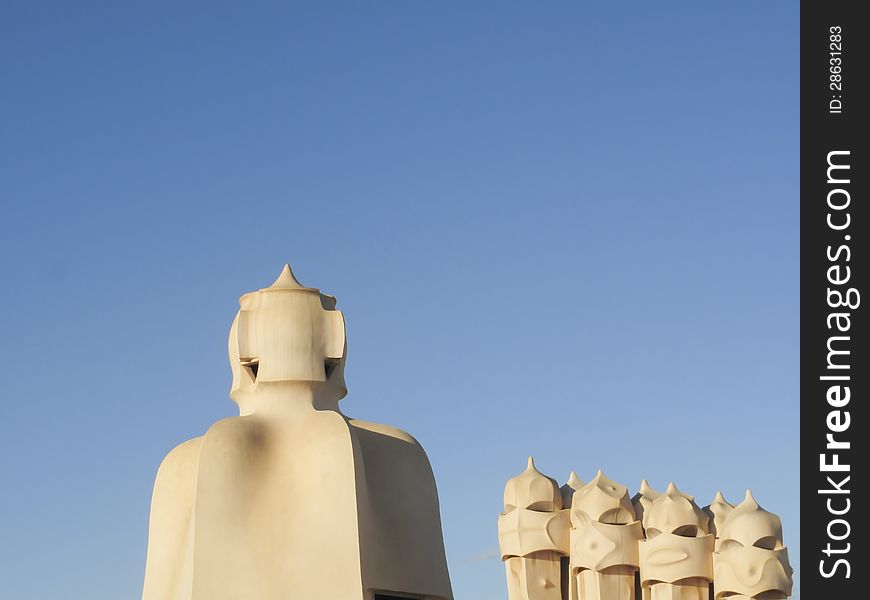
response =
{"points": [[575, 481], [717, 511], [287, 280], [750, 499], [643, 499], [569, 488]]}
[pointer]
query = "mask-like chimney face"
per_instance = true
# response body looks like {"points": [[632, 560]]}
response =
{"points": [[751, 525], [532, 490], [285, 332], [604, 539], [676, 513], [601, 500], [751, 560], [533, 536], [678, 549]]}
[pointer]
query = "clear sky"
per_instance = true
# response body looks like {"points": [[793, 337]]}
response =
{"points": [[565, 229]]}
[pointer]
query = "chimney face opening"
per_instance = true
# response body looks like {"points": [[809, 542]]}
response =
{"points": [[251, 366], [329, 366]]}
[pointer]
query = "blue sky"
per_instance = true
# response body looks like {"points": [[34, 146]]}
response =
{"points": [[564, 229]]}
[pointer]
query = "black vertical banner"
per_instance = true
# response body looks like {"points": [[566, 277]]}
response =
{"points": [[835, 372]]}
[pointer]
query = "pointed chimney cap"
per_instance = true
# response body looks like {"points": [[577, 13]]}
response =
{"points": [[287, 281], [750, 500], [574, 481]]}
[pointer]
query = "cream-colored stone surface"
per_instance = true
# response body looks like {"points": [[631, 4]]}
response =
{"points": [[572, 485], [533, 536], [751, 560], [604, 542], [676, 558], [652, 546], [717, 510], [643, 499], [293, 499]]}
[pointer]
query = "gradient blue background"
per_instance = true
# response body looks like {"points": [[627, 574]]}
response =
{"points": [[559, 229]]}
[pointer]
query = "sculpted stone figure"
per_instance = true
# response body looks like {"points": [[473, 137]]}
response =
{"points": [[604, 542], [293, 499], [652, 546], [676, 558], [533, 536], [751, 561]]}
